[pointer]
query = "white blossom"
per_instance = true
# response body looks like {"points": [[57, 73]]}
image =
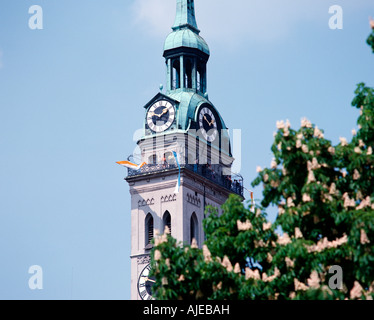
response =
{"points": [[364, 203], [343, 141], [206, 253], [305, 148], [347, 201], [311, 177], [266, 177], [290, 203], [237, 268], [363, 237], [306, 123], [284, 239], [314, 281], [269, 257], [318, 133], [276, 274], [298, 233], [227, 264], [249, 274], [244, 226], [266, 226], [331, 150], [306, 197], [299, 285], [157, 255], [356, 175], [194, 244], [332, 188], [280, 124], [356, 291], [289, 263], [273, 164]]}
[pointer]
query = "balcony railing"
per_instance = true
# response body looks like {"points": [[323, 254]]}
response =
{"points": [[233, 183]]}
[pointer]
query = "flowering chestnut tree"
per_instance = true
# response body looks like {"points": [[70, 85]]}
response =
{"points": [[325, 199]]}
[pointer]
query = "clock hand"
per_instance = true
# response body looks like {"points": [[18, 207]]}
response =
{"points": [[163, 112], [150, 280], [206, 120], [211, 123]]}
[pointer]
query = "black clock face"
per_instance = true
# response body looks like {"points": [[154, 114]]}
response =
{"points": [[161, 116], [208, 124], [145, 284]]}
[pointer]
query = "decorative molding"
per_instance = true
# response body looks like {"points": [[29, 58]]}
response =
{"points": [[170, 198], [145, 203], [144, 260], [194, 200], [153, 187]]}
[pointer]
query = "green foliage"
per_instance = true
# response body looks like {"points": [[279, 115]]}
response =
{"points": [[325, 196], [370, 40]]}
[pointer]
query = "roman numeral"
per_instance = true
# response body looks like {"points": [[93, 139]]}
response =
{"points": [[143, 294]]}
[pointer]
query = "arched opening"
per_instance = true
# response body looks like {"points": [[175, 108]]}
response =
{"points": [[169, 158], [188, 73], [198, 81], [149, 230], [175, 76], [152, 159], [194, 228], [201, 85], [167, 221]]}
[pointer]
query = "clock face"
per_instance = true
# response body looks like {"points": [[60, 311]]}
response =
{"points": [[145, 284], [208, 124], [161, 116]]}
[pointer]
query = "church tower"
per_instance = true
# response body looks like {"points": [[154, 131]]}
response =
{"points": [[186, 148]]}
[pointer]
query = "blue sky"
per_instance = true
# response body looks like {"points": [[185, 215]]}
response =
{"points": [[71, 98]]}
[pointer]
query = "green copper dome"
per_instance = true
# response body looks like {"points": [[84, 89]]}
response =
{"points": [[189, 104], [186, 38]]}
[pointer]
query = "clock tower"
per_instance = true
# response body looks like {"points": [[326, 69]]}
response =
{"points": [[186, 148]]}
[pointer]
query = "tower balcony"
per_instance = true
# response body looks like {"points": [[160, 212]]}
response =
{"points": [[233, 183]]}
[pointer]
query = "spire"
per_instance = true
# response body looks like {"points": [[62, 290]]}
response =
{"points": [[185, 17]]}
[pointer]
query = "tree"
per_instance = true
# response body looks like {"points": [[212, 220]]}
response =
{"points": [[325, 197]]}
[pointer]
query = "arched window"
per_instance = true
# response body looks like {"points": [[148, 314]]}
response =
{"points": [[194, 228], [169, 157], [148, 229], [175, 82], [152, 159], [167, 221], [188, 73], [201, 74], [198, 80]]}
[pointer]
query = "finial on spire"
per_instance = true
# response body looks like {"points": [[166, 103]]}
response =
{"points": [[185, 17]]}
